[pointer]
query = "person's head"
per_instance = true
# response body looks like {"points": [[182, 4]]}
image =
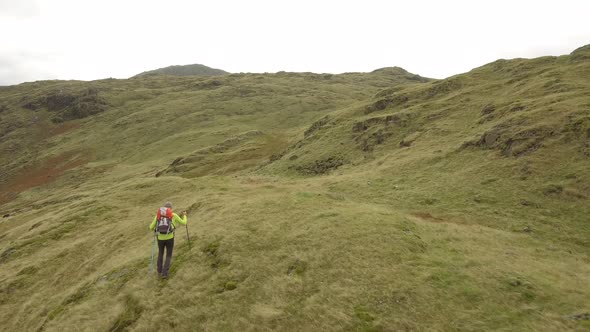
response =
{"points": [[168, 205]]}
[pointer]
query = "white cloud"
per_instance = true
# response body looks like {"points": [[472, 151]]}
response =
{"points": [[20, 8], [98, 39]]}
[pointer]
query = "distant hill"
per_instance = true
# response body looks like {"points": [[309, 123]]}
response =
{"points": [[402, 74], [186, 70]]}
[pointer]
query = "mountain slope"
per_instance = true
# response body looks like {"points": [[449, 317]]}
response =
{"points": [[373, 201], [186, 70]]}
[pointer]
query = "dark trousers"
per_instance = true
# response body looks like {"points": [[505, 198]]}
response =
{"points": [[169, 245]]}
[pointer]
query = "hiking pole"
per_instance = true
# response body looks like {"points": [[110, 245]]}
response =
{"points": [[187, 237], [152, 261]]}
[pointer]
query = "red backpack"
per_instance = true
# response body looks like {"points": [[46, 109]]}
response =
{"points": [[164, 221]]}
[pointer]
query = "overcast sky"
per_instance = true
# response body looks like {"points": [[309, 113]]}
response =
{"points": [[94, 39]]}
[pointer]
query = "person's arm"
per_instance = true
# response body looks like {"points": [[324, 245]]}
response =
{"points": [[178, 220], [153, 224]]}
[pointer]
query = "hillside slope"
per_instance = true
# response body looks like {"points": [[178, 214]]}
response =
{"points": [[374, 202]]}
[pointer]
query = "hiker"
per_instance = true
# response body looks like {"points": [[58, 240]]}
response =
{"points": [[165, 223]]}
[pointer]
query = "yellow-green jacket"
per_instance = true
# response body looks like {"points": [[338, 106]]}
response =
{"points": [[175, 221]]}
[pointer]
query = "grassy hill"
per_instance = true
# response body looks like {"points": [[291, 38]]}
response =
{"points": [[186, 70], [378, 201]]}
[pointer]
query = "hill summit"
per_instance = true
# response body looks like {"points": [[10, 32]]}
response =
{"points": [[186, 70]]}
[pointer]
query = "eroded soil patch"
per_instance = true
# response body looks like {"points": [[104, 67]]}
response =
{"points": [[427, 216], [41, 173]]}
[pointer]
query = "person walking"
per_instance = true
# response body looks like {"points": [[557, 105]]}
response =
{"points": [[164, 224]]}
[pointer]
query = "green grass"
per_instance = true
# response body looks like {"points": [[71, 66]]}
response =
{"points": [[369, 202]]}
